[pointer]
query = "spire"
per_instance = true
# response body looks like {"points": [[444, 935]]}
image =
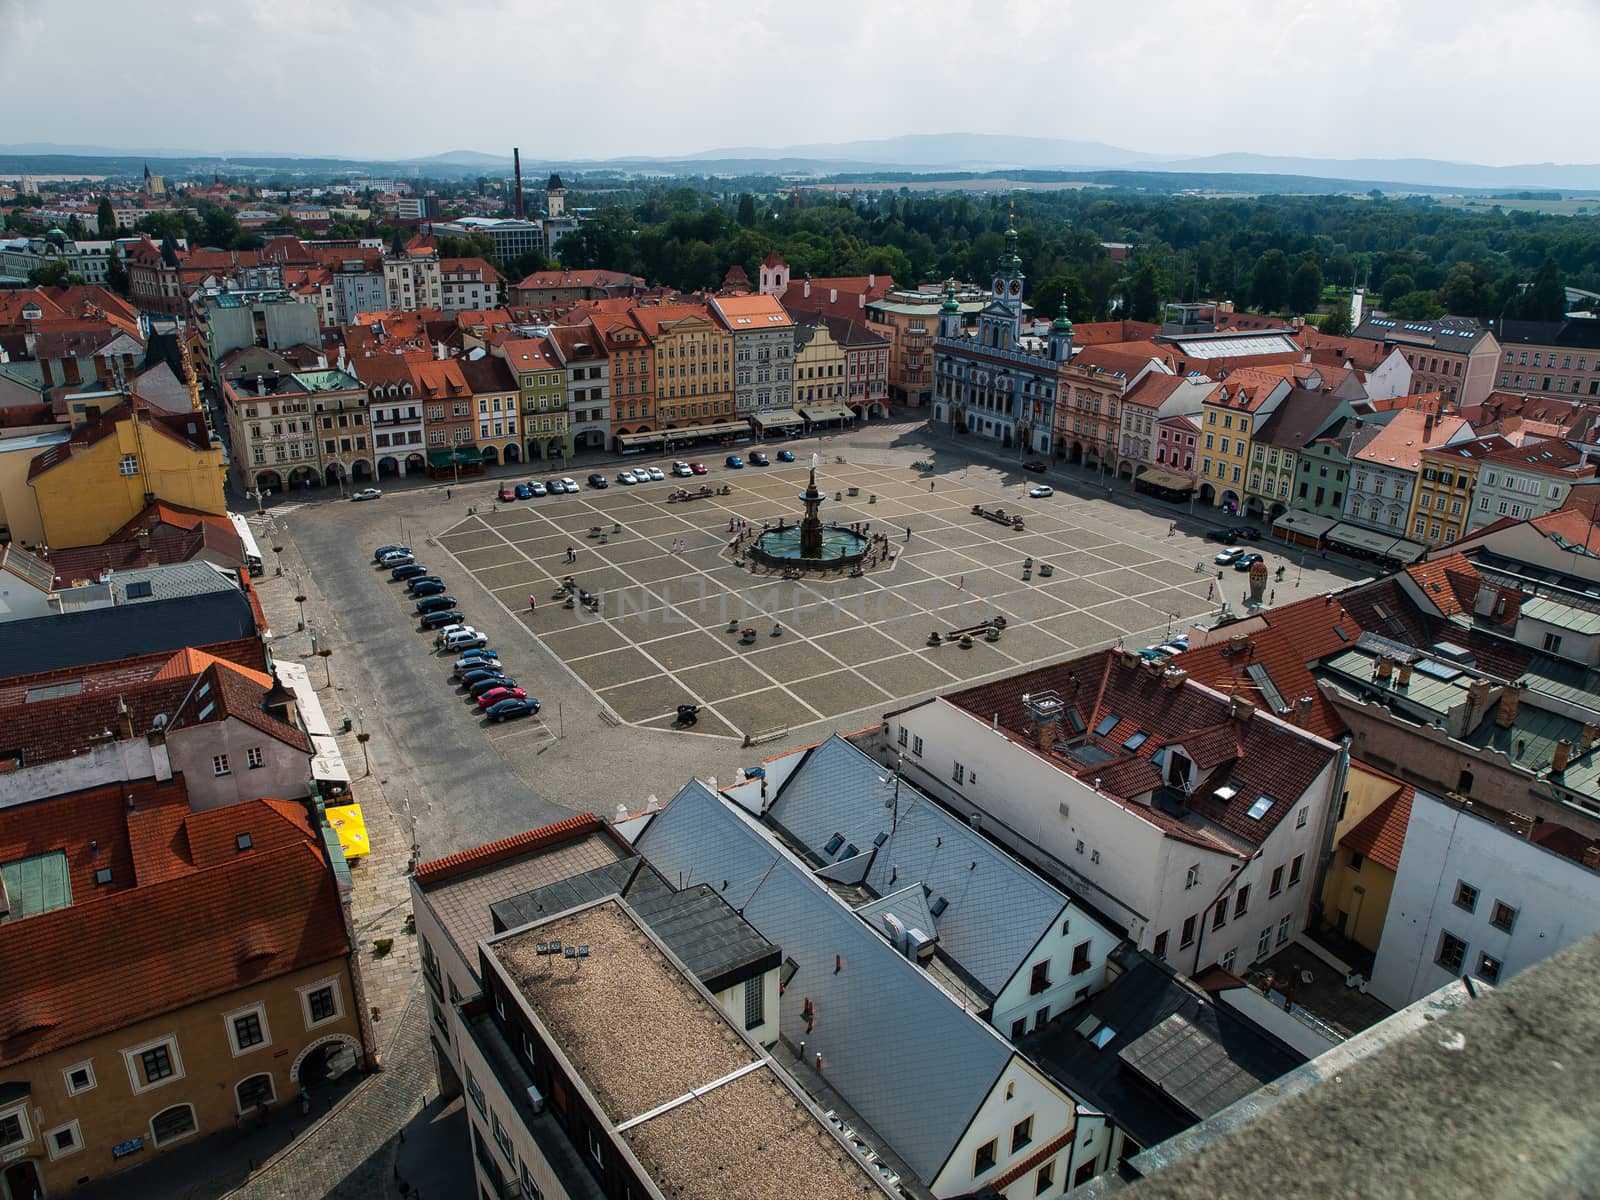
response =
{"points": [[147, 171], [950, 305], [1061, 324]]}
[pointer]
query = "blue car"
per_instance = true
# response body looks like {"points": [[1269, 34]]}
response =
{"points": [[483, 685], [434, 603], [524, 492], [410, 570], [416, 581], [734, 462], [480, 674], [438, 620], [505, 709], [426, 587], [785, 455]]}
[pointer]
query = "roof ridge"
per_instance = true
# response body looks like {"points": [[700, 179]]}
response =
{"points": [[463, 862]]}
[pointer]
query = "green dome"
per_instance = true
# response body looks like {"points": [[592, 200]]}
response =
{"points": [[1061, 324], [950, 305]]}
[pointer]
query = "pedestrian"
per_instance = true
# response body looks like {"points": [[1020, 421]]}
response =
{"points": [[961, 584], [447, 493], [1211, 589], [908, 533], [930, 485], [533, 603], [1272, 596]]}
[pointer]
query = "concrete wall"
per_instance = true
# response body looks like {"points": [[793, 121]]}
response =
{"points": [[285, 772], [731, 1001], [1020, 1092], [109, 762], [1361, 894], [1557, 901]]}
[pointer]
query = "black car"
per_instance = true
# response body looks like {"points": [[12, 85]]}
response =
{"points": [[441, 618], [1033, 465], [1226, 536], [430, 586], [377, 555], [1246, 561], [481, 674], [431, 604], [483, 685], [408, 571], [1246, 532], [598, 480], [760, 459], [417, 581], [513, 707]]}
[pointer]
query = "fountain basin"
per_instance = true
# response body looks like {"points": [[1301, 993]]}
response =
{"points": [[840, 547]]}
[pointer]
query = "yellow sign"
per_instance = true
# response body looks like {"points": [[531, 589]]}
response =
{"points": [[351, 827]]}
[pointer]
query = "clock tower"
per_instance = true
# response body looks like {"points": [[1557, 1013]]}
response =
{"points": [[1000, 324]]}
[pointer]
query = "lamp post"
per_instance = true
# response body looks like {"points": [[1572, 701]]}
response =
{"points": [[278, 552], [325, 654], [301, 601]]}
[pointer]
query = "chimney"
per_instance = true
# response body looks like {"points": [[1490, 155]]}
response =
{"points": [[1173, 678], [1591, 856], [1405, 675], [516, 167], [1241, 709], [1237, 642], [1510, 700], [1385, 668], [1477, 695], [1561, 757], [1302, 711], [1520, 824], [1591, 731], [125, 721], [1427, 424]]}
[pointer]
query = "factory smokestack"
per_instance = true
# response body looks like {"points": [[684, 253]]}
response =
{"points": [[516, 166]]}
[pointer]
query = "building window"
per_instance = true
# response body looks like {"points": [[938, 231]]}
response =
{"points": [[1192, 878], [247, 1029], [1219, 915], [153, 1064], [256, 1092], [959, 773], [1276, 885], [1160, 947], [755, 1002], [1039, 978], [502, 1138], [475, 1093], [1452, 952], [129, 466], [1229, 959], [219, 765], [1045, 1178], [1552, 643], [1504, 917], [253, 757], [1241, 902], [1488, 969], [1285, 926], [905, 735], [983, 1159], [1080, 958], [14, 1128], [1187, 939], [1294, 869], [172, 1124], [1022, 1133], [1355, 861], [320, 1002], [1019, 1028], [79, 1078], [916, 746], [1466, 897], [1300, 818], [63, 1140]]}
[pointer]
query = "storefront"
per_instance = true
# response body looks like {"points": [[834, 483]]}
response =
{"points": [[818, 415], [1368, 543], [1306, 530], [1164, 485], [778, 422]]}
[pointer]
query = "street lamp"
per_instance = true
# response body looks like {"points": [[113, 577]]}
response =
{"points": [[325, 654], [278, 551], [301, 601]]}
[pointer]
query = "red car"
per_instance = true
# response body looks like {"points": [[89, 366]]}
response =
{"points": [[699, 468], [495, 695], [507, 493]]}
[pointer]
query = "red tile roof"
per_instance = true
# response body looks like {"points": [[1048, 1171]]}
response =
{"points": [[1284, 662], [465, 862], [1382, 832]]}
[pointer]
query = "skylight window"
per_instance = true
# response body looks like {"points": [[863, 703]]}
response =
{"points": [[833, 844], [880, 839], [1136, 740], [1102, 1037], [1107, 724], [937, 908], [1225, 793], [1259, 808]]}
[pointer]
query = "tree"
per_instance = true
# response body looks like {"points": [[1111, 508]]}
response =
{"points": [[1416, 306], [117, 274], [53, 274], [747, 210], [1305, 287], [1144, 292], [106, 217], [1337, 321], [1465, 290], [1396, 285], [1269, 282], [1546, 297], [1046, 297], [218, 227]]}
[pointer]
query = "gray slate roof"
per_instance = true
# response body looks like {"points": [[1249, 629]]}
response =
{"points": [[900, 1051], [997, 909], [73, 639]]}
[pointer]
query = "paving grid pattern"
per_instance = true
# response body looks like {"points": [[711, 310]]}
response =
{"points": [[664, 638]]}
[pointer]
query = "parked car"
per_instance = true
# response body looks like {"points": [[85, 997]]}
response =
{"points": [[367, 494], [1033, 464], [1228, 557], [733, 462], [1181, 641], [760, 459], [462, 638], [480, 674], [555, 487], [627, 478], [441, 618], [445, 631], [682, 470], [410, 570], [377, 555], [1226, 536], [428, 585], [396, 558], [524, 492], [535, 488], [785, 455], [697, 468], [507, 493], [654, 473], [1248, 561], [570, 484], [483, 685], [1248, 532], [506, 709], [598, 481], [413, 581], [475, 660], [1040, 491], [434, 603], [495, 695]]}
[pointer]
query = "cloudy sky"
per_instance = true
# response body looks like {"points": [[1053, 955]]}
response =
{"points": [[1469, 80]]}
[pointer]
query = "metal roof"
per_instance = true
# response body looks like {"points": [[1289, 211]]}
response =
{"points": [[898, 1049], [1562, 616], [1235, 347]]}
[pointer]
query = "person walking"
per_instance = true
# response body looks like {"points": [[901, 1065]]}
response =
{"points": [[533, 603], [447, 493], [908, 533]]}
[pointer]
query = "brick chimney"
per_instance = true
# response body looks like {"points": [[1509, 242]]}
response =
{"points": [[1561, 757], [1520, 824], [1510, 700], [124, 720], [1591, 731], [1591, 856], [1385, 670], [1404, 678]]}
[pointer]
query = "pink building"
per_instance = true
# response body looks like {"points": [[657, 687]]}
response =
{"points": [[1177, 439]]}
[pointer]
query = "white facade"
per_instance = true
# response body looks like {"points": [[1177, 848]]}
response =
{"points": [[1020, 1096], [1390, 378], [1503, 491], [469, 289], [413, 282], [1471, 898], [1166, 890]]}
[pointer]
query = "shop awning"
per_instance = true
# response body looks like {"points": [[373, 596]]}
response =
{"points": [[826, 412], [722, 429], [627, 440], [327, 764], [778, 418], [438, 458], [1301, 524], [351, 827], [465, 456], [1367, 541], [1169, 480]]}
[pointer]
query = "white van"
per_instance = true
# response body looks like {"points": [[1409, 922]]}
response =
{"points": [[461, 639]]}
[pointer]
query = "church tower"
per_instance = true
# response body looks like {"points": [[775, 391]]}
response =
{"points": [[1001, 323], [555, 198], [1061, 335], [950, 313]]}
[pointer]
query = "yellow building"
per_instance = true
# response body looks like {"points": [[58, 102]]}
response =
{"points": [[542, 385], [1441, 503], [1367, 841], [1235, 407], [819, 365], [109, 470], [694, 364]]}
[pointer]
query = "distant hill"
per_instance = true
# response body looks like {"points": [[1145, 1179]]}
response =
{"points": [[952, 151]]}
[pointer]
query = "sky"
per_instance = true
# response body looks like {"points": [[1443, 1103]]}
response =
{"points": [[1466, 80]]}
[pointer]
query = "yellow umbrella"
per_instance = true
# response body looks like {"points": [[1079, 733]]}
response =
{"points": [[351, 827]]}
